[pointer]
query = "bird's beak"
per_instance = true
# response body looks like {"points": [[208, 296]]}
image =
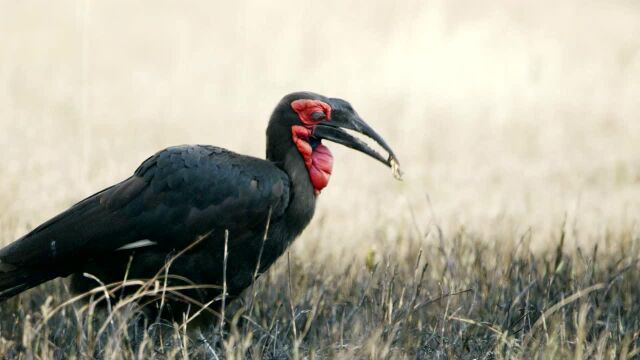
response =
{"points": [[332, 131]]}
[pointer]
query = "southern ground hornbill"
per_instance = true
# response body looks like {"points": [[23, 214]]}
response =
{"points": [[195, 193]]}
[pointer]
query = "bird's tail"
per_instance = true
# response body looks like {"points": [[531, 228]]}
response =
{"points": [[15, 280], [49, 250], [61, 245]]}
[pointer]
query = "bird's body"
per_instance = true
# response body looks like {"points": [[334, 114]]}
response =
{"points": [[179, 196]]}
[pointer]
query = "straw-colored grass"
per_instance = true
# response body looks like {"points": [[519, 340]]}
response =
{"points": [[514, 234]]}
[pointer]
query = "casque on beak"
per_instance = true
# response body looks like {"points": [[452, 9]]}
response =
{"points": [[332, 131]]}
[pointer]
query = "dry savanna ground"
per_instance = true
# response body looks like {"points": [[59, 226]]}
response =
{"points": [[515, 233]]}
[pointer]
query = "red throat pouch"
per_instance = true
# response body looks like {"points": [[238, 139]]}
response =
{"points": [[319, 161]]}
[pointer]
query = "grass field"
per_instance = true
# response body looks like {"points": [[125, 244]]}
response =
{"points": [[515, 233]]}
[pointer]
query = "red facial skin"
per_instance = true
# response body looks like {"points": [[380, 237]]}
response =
{"points": [[319, 161], [306, 107]]}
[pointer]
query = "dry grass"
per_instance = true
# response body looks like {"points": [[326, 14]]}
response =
{"points": [[514, 235]]}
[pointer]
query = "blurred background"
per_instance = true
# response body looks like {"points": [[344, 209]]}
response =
{"points": [[506, 115]]}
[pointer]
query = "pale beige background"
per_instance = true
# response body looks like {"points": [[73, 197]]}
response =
{"points": [[506, 114]]}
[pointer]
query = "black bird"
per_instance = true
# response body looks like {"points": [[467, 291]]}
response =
{"points": [[196, 192]]}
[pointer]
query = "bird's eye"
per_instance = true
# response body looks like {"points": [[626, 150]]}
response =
{"points": [[318, 116], [311, 111]]}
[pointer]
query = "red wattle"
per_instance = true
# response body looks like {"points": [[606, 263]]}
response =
{"points": [[319, 161], [300, 135], [321, 167]]}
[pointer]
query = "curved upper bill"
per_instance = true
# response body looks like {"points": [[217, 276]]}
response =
{"points": [[332, 131]]}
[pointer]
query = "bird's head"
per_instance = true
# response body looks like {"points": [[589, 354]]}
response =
{"points": [[304, 119]]}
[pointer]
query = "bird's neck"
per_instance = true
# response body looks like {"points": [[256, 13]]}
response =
{"points": [[285, 154], [302, 200], [294, 165]]}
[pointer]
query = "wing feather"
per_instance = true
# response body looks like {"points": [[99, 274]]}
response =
{"points": [[174, 196]]}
